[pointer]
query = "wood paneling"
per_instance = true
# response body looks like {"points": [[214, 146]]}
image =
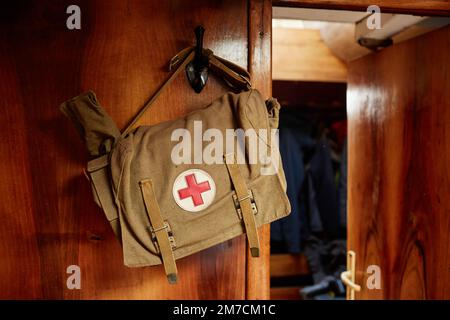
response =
{"points": [[285, 293], [313, 96], [301, 55], [427, 7], [260, 68], [399, 174], [49, 220], [284, 265]]}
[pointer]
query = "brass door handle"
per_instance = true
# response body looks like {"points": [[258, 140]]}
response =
{"points": [[348, 277]]}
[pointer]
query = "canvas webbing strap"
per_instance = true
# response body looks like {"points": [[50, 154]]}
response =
{"points": [[97, 171], [232, 74], [160, 229], [179, 68], [235, 76], [244, 200]]}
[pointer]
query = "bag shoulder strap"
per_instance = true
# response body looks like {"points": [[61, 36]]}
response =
{"points": [[235, 76], [141, 112]]}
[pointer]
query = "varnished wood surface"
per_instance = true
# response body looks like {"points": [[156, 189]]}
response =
{"points": [[285, 293], [260, 68], [284, 265], [302, 55], [49, 220], [328, 98], [427, 7], [399, 173]]}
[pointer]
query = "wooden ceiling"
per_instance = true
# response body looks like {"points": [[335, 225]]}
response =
{"points": [[302, 55]]}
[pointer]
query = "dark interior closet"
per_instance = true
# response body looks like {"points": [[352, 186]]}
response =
{"points": [[308, 248]]}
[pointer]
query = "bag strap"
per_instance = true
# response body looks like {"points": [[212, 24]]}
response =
{"points": [[180, 67], [235, 76], [232, 74], [98, 175], [244, 200], [160, 229]]}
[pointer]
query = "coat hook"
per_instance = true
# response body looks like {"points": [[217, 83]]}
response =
{"points": [[197, 70]]}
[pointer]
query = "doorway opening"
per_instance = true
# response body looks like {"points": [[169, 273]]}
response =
{"points": [[311, 52]]}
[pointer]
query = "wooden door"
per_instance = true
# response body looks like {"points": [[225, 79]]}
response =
{"points": [[399, 168], [49, 220]]}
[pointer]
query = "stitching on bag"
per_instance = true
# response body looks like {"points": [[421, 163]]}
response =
{"points": [[253, 126]]}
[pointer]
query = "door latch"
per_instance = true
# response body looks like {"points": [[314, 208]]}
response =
{"points": [[349, 277]]}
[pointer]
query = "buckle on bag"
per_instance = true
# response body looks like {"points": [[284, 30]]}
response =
{"points": [[237, 203], [166, 228]]}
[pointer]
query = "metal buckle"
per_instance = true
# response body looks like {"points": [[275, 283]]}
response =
{"points": [[167, 228], [237, 203]]}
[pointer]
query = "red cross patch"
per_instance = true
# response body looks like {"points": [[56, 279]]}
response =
{"points": [[194, 190]]}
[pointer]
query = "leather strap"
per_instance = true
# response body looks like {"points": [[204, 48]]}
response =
{"points": [[244, 200], [160, 229], [98, 175]]}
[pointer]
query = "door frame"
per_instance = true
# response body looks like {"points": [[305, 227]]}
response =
{"points": [[429, 7], [260, 68]]}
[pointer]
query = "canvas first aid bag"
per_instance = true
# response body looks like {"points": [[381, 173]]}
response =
{"points": [[164, 201]]}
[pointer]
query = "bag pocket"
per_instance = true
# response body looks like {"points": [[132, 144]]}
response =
{"points": [[98, 172]]}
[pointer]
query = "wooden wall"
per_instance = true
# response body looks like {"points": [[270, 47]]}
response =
{"points": [[399, 172], [302, 55], [49, 220]]}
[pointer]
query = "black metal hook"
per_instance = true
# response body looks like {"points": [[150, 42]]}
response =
{"points": [[197, 70]]}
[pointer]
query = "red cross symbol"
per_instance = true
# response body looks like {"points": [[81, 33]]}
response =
{"points": [[194, 189]]}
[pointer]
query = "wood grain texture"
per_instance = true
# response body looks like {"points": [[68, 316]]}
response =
{"points": [[427, 7], [284, 265], [260, 68], [302, 55], [49, 220], [327, 98], [399, 176], [285, 293]]}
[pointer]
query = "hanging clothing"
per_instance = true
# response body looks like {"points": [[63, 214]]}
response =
{"points": [[323, 181], [313, 187], [286, 233], [342, 188]]}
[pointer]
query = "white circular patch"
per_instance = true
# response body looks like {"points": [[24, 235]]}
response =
{"points": [[194, 190]]}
